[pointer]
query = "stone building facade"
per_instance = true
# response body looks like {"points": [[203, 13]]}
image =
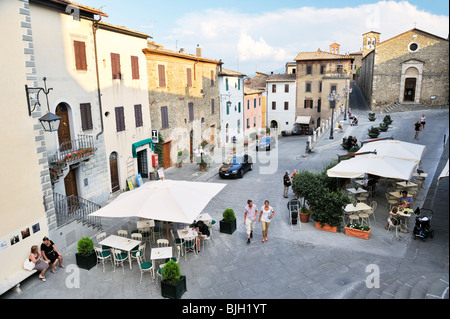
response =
{"points": [[318, 74], [184, 99], [412, 67]]}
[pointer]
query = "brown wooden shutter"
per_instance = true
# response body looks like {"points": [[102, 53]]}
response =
{"points": [[189, 77], [212, 77], [115, 66], [120, 119], [86, 116], [135, 67], [162, 75], [80, 55]]}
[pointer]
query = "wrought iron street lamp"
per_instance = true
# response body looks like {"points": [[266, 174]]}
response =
{"points": [[332, 97], [50, 122]]}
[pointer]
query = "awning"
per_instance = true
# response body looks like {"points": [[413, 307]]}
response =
{"points": [[134, 146], [303, 119], [444, 173]]}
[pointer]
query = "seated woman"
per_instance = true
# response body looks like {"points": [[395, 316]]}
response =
{"points": [[40, 265], [349, 142], [355, 121], [203, 231], [393, 218]]}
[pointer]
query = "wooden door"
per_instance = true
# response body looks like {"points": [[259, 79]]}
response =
{"points": [[166, 154], [64, 127], [70, 183], [410, 89], [114, 171]]}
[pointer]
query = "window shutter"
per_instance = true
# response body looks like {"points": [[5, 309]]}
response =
{"points": [[162, 75], [189, 77], [286, 88], [212, 77], [120, 119], [164, 117], [135, 67], [115, 66], [212, 106], [86, 116], [226, 83], [80, 55], [191, 111], [138, 115], [286, 106]]}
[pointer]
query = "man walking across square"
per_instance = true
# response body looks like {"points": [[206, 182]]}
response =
{"points": [[250, 216]]}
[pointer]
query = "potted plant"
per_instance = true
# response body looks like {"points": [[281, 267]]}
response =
{"points": [[358, 231], [85, 256], [180, 159], [328, 212], [304, 213], [387, 119], [373, 132], [228, 223], [383, 126], [173, 284], [372, 117]]}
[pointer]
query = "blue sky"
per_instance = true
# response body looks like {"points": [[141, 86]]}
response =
{"points": [[263, 35]]}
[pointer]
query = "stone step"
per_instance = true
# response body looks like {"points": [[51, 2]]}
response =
{"points": [[429, 286]]}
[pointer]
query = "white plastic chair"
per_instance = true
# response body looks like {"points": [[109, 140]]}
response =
{"points": [[122, 233], [162, 243], [140, 252], [394, 223], [178, 242], [102, 256], [144, 266], [190, 243], [119, 258]]}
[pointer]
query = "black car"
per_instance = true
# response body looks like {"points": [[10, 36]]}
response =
{"points": [[236, 165]]}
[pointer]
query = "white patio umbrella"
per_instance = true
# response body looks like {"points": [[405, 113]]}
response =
{"points": [[395, 149], [373, 164], [167, 200]]}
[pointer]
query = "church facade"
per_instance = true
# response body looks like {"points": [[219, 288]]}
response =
{"points": [[412, 67]]}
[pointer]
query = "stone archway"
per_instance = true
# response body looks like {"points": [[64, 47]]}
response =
{"points": [[411, 81]]}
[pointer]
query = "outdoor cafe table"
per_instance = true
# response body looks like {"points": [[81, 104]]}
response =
{"points": [[120, 243], [404, 184], [355, 191], [145, 223], [160, 253], [186, 233], [420, 175], [350, 208], [397, 195], [404, 214]]}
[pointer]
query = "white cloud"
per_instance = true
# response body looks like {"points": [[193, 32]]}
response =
{"points": [[270, 39]]}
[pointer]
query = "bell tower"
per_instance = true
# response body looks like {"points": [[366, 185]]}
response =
{"points": [[370, 41]]}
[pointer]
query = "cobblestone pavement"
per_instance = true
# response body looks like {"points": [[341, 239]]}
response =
{"points": [[294, 264]]}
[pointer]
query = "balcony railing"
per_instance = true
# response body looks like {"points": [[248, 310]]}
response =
{"points": [[336, 74], [70, 208], [70, 152]]}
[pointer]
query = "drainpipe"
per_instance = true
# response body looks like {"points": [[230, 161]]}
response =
{"points": [[94, 30]]}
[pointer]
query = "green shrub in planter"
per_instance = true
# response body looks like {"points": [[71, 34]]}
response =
{"points": [[373, 132], [173, 284], [228, 223], [372, 117], [85, 256]]}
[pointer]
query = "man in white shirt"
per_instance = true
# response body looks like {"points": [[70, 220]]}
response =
{"points": [[250, 215]]}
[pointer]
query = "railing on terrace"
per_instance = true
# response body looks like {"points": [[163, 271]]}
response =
{"points": [[70, 208], [336, 74], [70, 152], [74, 150]]}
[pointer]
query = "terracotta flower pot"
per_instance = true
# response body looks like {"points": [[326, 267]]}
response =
{"points": [[358, 233], [326, 227], [304, 218]]}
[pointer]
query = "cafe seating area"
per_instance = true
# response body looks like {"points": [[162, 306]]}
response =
{"points": [[371, 202], [145, 248]]}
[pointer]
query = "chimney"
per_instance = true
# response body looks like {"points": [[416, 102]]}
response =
{"points": [[181, 50], [198, 51]]}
